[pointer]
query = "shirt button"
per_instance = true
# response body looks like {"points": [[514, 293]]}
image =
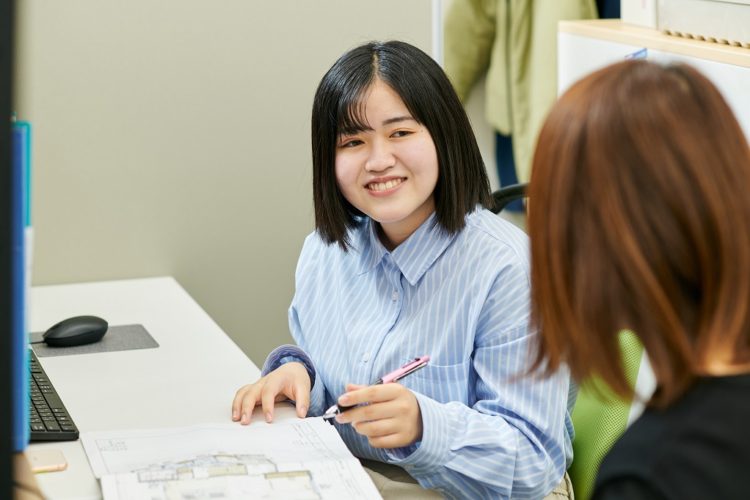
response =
{"points": [[394, 295], [366, 357]]}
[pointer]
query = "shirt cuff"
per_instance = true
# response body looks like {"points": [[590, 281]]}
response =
{"points": [[285, 354], [430, 454]]}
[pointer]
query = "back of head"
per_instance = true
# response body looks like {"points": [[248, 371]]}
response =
{"points": [[640, 219], [428, 95]]}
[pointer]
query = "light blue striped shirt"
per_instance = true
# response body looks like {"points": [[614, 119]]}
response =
{"points": [[464, 300]]}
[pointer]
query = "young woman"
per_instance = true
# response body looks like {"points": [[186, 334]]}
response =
{"points": [[640, 220], [405, 262]]}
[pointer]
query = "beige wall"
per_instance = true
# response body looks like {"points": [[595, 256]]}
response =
{"points": [[172, 138]]}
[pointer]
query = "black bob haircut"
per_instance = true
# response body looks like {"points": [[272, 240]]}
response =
{"points": [[428, 95]]}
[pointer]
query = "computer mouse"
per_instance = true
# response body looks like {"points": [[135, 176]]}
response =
{"points": [[78, 330]]}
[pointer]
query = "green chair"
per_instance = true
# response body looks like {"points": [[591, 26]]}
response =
{"points": [[599, 418]]}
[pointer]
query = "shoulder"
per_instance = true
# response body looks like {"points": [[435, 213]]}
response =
{"points": [[628, 488], [698, 448], [315, 249], [319, 254], [630, 455], [488, 236], [492, 257], [484, 224]]}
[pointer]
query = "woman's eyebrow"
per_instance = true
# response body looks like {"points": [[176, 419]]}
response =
{"points": [[365, 128], [397, 119]]}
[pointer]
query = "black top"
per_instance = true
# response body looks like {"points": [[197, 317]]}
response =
{"points": [[698, 448]]}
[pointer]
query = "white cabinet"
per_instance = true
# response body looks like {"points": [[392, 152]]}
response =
{"points": [[584, 46]]}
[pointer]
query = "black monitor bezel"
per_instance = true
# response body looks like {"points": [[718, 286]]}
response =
{"points": [[7, 22]]}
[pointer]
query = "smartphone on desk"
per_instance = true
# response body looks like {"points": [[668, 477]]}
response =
{"points": [[46, 460]]}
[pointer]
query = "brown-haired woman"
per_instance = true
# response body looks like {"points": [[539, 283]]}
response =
{"points": [[640, 220]]}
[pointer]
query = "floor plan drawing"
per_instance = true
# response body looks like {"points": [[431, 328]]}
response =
{"points": [[295, 459]]}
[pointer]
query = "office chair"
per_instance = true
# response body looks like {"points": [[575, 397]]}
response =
{"points": [[507, 194], [599, 417]]}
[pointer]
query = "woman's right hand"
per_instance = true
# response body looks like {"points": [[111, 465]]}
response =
{"points": [[289, 381]]}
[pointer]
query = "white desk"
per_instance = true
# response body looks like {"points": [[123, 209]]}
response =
{"points": [[189, 379]]}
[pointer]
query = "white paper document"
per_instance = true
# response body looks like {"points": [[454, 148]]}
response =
{"points": [[294, 459]]}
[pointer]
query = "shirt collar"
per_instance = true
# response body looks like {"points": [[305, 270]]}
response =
{"points": [[413, 257]]}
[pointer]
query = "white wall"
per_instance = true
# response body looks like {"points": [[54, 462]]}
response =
{"points": [[172, 138]]}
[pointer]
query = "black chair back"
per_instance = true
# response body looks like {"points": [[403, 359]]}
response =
{"points": [[506, 194]]}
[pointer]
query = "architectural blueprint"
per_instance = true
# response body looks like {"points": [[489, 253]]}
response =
{"points": [[292, 459]]}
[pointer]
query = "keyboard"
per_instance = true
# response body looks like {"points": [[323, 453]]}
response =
{"points": [[50, 420]]}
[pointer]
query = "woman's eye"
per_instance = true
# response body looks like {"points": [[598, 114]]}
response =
{"points": [[401, 133], [350, 143]]}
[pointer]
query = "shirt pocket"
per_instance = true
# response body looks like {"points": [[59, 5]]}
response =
{"points": [[443, 383]]}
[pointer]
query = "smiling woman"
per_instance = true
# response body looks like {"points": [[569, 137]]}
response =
{"points": [[408, 92], [406, 261], [388, 170]]}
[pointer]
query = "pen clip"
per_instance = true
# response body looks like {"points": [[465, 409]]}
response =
{"points": [[409, 371]]}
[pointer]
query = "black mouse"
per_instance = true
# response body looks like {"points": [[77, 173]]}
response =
{"points": [[78, 330]]}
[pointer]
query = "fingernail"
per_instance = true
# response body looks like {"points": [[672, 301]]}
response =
{"points": [[344, 400], [244, 418], [234, 415], [302, 411], [269, 416]]}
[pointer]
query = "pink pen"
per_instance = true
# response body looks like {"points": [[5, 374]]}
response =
{"points": [[393, 376]]}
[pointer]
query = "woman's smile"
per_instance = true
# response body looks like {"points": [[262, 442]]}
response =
{"points": [[384, 187]]}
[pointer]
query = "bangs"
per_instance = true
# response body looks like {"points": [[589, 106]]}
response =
{"points": [[350, 114], [353, 87]]}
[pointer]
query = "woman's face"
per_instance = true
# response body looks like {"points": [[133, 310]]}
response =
{"points": [[389, 170]]}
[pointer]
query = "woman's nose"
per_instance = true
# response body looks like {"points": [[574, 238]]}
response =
{"points": [[381, 158]]}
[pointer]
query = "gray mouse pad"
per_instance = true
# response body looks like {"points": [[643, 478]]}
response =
{"points": [[117, 338]]}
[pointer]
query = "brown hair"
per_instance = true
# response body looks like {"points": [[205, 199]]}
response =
{"points": [[640, 219]]}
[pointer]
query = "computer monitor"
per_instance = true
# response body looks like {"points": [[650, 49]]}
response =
{"points": [[20, 151], [7, 314]]}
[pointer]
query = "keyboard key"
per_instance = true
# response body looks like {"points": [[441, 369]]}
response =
{"points": [[52, 426]]}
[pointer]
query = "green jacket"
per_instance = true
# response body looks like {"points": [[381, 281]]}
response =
{"points": [[515, 43]]}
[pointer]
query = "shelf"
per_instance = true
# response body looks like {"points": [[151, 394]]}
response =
{"points": [[615, 30]]}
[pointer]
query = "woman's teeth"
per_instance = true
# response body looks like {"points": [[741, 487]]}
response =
{"points": [[382, 186]]}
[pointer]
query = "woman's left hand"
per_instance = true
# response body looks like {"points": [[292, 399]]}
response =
{"points": [[391, 419]]}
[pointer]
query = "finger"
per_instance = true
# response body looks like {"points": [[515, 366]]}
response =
{"points": [[365, 394], [268, 398], [362, 413], [302, 398], [373, 394], [346, 399], [395, 440], [377, 428], [249, 400], [397, 408], [384, 433], [237, 401]]}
